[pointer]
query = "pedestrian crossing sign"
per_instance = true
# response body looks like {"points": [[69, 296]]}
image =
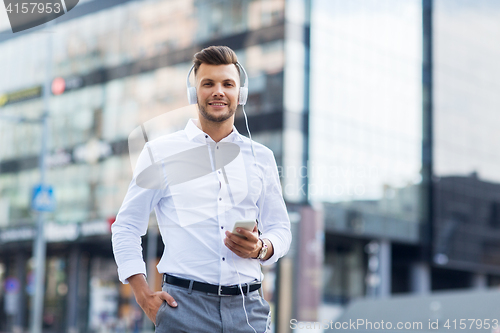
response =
{"points": [[43, 198]]}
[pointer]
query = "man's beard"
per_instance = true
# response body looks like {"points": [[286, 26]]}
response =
{"points": [[219, 118]]}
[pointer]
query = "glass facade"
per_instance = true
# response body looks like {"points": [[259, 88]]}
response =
{"points": [[365, 118], [344, 270], [365, 130], [108, 112], [466, 137]]}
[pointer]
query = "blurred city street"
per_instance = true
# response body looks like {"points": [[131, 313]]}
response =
{"points": [[382, 115]]}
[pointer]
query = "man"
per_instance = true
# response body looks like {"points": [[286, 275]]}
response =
{"points": [[211, 276]]}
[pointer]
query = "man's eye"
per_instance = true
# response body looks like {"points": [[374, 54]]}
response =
{"points": [[207, 84], [229, 84]]}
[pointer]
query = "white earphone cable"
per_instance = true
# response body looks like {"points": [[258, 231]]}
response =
{"points": [[248, 130], [242, 293]]}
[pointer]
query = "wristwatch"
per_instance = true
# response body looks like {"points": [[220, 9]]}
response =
{"points": [[263, 250]]}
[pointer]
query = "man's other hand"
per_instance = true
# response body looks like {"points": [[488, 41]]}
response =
{"points": [[148, 300], [248, 247], [151, 303]]}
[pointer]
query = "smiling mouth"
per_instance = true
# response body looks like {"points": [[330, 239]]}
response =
{"points": [[217, 104]]}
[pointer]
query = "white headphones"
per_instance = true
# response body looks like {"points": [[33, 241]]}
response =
{"points": [[242, 97]]}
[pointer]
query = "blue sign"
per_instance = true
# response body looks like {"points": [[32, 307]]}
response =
{"points": [[43, 198], [12, 285]]}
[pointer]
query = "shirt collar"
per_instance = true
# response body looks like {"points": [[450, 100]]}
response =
{"points": [[193, 132]]}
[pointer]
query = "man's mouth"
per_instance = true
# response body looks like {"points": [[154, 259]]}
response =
{"points": [[217, 103]]}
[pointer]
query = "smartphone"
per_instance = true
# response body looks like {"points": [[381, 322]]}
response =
{"points": [[247, 225]]}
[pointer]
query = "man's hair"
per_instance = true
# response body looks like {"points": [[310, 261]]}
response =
{"points": [[215, 55]]}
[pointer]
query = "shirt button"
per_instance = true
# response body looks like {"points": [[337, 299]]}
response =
{"points": [[219, 172], [223, 259], [206, 136], [217, 147], [220, 199], [222, 227]]}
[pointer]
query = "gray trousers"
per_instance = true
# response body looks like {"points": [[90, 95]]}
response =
{"points": [[200, 312]]}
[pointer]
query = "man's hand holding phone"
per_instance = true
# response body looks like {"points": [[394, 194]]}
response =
{"points": [[244, 240]]}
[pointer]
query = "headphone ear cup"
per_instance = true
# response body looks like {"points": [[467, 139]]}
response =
{"points": [[192, 98], [242, 100]]}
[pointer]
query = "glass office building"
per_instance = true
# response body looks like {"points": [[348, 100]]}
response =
{"points": [[465, 158], [390, 82], [365, 134]]}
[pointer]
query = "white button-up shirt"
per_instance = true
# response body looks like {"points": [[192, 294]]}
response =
{"points": [[199, 188]]}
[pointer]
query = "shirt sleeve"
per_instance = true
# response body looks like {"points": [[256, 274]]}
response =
{"points": [[133, 217], [274, 219]]}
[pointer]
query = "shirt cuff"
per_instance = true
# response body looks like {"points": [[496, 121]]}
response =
{"points": [[131, 268]]}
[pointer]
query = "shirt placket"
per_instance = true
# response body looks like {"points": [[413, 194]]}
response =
{"points": [[223, 199]]}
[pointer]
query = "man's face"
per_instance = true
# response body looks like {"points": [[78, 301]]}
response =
{"points": [[217, 90]]}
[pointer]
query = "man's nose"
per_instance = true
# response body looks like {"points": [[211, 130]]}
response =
{"points": [[218, 91]]}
